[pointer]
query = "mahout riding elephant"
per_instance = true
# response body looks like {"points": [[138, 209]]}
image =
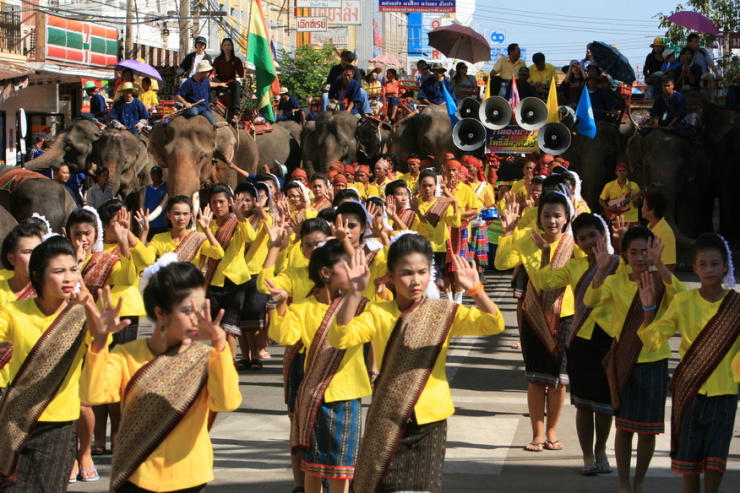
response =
{"points": [[24, 192], [594, 160], [278, 145], [682, 168], [72, 146], [197, 155], [426, 133], [720, 134]]}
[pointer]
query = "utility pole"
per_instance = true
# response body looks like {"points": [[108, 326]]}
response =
{"points": [[184, 25], [128, 47]]}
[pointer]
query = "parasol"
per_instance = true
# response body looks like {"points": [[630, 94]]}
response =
{"points": [[694, 21], [386, 60], [460, 42], [611, 61], [139, 68]]}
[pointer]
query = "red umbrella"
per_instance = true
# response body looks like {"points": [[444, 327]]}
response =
{"points": [[694, 21], [460, 42], [386, 60]]}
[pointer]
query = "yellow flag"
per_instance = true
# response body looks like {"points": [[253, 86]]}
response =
{"points": [[552, 103], [487, 92]]}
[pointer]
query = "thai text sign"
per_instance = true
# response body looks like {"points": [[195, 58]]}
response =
{"points": [[310, 24], [349, 14], [331, 4], [425, 6], [81, 42], [512, 139], [338, 36]]}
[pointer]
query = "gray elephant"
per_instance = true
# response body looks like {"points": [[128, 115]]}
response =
{"points": [[720, 131], [682, 167], [7, 222], [72, 146], [426, 133], [23, 192], [594, 160], [278, 145]]}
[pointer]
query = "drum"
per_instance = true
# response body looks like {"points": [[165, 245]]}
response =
{"points": [[489, 214]]}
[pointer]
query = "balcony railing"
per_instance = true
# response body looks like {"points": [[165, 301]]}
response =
{"points": [[10, 28]]}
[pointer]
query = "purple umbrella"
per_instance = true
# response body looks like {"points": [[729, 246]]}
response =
{"points": [[139, 68], [694, 21], [460, 42]]}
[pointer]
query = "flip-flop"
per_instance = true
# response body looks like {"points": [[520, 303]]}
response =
{"points": [[536, 444], [73, 477], [553, 445], [590, 470], [603, 468], [255, 365], [97, 451], [92, 475]]}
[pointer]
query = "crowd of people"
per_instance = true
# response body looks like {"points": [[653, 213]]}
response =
{"points": [[360, 274]]}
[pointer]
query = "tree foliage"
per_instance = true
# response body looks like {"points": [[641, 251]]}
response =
{"points": [[304, 72], [726, 16]]}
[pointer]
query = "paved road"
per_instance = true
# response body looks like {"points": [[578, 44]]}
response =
{"points": [[485, 438]]}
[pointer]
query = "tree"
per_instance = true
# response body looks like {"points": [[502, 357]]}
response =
{"points": [[726, 16], [304, 73]]}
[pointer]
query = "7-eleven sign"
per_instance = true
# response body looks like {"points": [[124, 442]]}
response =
{"points": [[81, 42]]}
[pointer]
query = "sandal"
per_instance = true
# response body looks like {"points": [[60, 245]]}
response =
{"points": [[553, 445], [90, 475], [603, 468], [241, 364], [264, 355], [590, 470], [73, 477], [538, 446], [95, 450], [255, 364]]}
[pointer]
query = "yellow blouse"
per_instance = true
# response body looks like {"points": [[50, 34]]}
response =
{"points": [[6, 294], [668, 239], [294, 280], [257, 252], [519, 249], [301, 323], [411, 182], [6, 274], [438, 235], [163, 243], [375, 325], [233, 266], [484, 194], [465, 197], [22, 323], [133, 303], [528, 219], [185, 458], [688, 314], [616, 294]]}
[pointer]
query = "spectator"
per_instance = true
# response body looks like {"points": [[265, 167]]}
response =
{"points": [[688, 75], [128, 113], [652, 69], [347, 59], [289, 108], [194, 93], [705, 60], [541, 74], [589, 59], [431, 89], [155, 196], [61, 173], [127, 75], [505, 69], [100, 193], [373, 87], [423, 71], [462, 78], [37, 148], [228, 67], [572, 85], [190, 63], [148, 97], [601, 102], [344, 93], [670, 64], [391, 92], [523, 86]]}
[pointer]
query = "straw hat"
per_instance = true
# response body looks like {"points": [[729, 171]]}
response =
{"points": [[658, 42], [284, 90], [127, 86]]}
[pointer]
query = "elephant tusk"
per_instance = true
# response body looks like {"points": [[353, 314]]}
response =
{"points": [[155, 213], [196, 201]]}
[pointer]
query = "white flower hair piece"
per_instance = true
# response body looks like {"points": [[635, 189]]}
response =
{"points": [[306, 195], [98, 245], [368, 218], [571, 211], [320, 244], [163, 261], [609, 246], [577, 192], [49, 231], [730, 277]]}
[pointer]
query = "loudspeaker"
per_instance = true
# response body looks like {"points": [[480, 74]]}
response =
{"points": [[554, 138], [469, 134], [531, 114], [495, 113], [467, 108]]}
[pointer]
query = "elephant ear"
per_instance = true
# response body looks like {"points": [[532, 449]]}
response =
{"points": [[158, 138], [698, 165]]}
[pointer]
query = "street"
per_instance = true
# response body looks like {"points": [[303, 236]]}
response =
{"points": [[485, 437]]}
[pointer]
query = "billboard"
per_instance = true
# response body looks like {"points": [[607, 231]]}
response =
{"points": [[424, 6], [348, 15], [512, 139], [327, 4]]}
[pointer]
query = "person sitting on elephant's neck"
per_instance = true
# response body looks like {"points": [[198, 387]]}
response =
{"points": [[524, 88], [289, 108], [669, 110], [431, 89], [320, 187], [601, 102], [98, 107], [100, 193], [127, 75], [688, 75], [190, 62], [346, 61], [344, 92], [194, 93], [128, 113]]}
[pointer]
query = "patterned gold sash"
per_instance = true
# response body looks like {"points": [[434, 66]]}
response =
{"points": [[702, 358], [321, 365], [622, 357], [36, 384], [223, 236], [436, 212], [6, 353], [581, 310], [409, 358], [158, 396], [407, 217], [27, 293], [97, 270], [190, 246], [543, 309]]}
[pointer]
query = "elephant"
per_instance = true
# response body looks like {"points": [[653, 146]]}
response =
{"points": [[279, 145], [426, 133], [294, 128], [594, 160], [7, 222], [309, 147], [27, 193], [72, 146], [197, 155], [682, 168], [720, 134]]}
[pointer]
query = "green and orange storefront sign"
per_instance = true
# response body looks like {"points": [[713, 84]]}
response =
{"points": [[80, 42]]}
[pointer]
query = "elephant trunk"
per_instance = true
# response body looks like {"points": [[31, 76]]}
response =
{"points": [[183, 176], [53, 156], [114, 180]]}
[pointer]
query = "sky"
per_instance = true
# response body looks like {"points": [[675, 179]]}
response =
{"points": [[562, 29]]}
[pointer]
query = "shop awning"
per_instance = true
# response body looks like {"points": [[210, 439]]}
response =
{"points": [[156, 57], [59, 68]]}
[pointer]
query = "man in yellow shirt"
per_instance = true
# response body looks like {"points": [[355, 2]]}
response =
{"points": [[621, 188], [541, 74], [505, 69], [412, 177]]}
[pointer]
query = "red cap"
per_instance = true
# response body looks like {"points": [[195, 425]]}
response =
{"points": [[338, 166], [623, 166], [332, 173], [464, 171], [299, 172], [448, 155]]}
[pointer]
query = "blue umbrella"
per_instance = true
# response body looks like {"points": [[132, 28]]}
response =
{"points": [[611, 61], [139, 68]]}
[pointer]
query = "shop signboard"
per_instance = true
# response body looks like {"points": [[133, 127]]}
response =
{"points": [[80, 42], [424, 6], [348, 15]]}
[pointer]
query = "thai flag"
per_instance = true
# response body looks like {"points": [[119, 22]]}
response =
{"points": [[514, 98]]}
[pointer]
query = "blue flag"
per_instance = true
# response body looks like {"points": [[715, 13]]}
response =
{"points": [[451, 106], [585, 114]]}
